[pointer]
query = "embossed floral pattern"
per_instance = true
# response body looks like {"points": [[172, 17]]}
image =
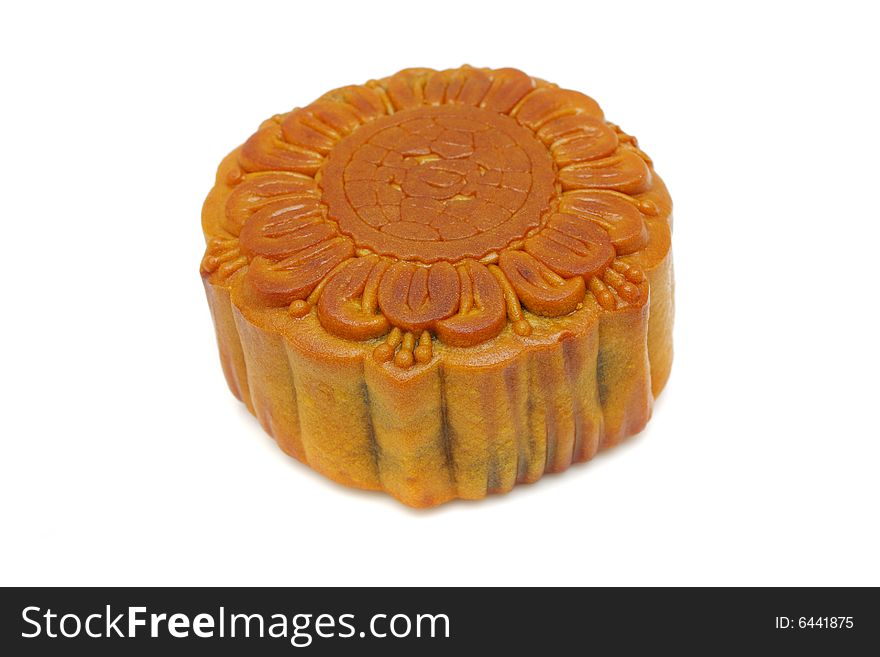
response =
{"points": [[437, 205]]}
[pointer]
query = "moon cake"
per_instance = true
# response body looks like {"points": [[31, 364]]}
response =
{"points": [[441, 284]]}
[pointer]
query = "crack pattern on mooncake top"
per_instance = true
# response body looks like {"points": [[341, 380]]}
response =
{"points": [[437, 205], [439, 183]]}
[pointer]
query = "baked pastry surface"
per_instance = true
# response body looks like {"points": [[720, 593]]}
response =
{"points": [[442, 283]]}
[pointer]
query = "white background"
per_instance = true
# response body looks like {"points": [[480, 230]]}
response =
{"points": [[126, 461]]}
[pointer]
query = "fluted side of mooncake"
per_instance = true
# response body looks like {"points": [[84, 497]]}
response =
{"points": [[454, 429]]}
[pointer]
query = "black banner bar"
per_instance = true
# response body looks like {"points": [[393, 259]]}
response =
{"points": [[114, 621]]}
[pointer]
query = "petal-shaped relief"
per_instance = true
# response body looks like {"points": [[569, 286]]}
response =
{"points": [[301, 128], [222, 258], [569, 126], [278, 283], [482, 313], [466, 85], [617, 216], [578, 138], [509, 85], [406, 88], [266, 150], [547, 103], [624, 280], [571, 246], [364, 101], [538, 287], [348, 305], [338, 117], [285, 227], [415, 297], [624, 172], [261, 189]]}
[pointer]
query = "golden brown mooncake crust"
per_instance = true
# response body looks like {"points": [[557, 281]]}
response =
{"points": [[442, 283]]}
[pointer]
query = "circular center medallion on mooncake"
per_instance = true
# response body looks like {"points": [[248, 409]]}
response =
{"points": [[438, 183]]}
